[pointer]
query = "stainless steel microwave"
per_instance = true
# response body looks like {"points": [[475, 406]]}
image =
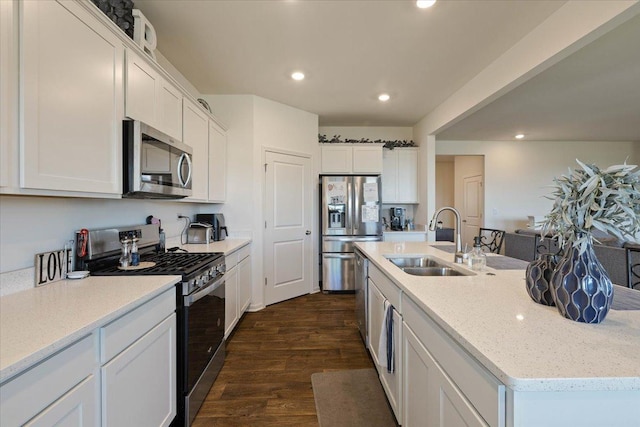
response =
{"points": [[155, 165]]}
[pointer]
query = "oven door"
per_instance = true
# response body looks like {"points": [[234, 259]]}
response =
{"points": [[204, 343]]}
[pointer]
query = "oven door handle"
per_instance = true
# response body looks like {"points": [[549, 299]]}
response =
{"points": [[216, 283]]}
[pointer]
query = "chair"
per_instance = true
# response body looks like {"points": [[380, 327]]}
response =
{"points": [[633, 267], [491, 239]]}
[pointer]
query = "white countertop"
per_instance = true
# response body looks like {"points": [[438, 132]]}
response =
{"points": [[225, 246], [527, 346], [36, 323]]}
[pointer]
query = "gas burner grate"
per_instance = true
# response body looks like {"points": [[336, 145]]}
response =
{"points": [[184, 264]]}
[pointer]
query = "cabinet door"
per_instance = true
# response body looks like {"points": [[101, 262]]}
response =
{"points": [[230, 300], [336, 159], [139, 385], [8, 91], [392, 381], [217, 163], [244, 285], [170, 110], [376, 319], [407, 177], [72, 100], [417, 367], [389, 176], [196, 135], [77, 408], [367, 159], [142, 83]]}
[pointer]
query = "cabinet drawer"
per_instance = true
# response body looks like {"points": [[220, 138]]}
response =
{"points": [[244, 252], [121, 333], [480, 387], [390, 291], [28, 394]]}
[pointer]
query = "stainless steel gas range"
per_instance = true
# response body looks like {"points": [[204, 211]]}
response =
{"points": [[200, 305]]}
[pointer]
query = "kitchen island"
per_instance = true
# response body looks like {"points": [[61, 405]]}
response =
{"points": [[544, 369]]}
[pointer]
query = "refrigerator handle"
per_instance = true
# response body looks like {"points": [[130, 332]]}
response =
{"points": [[349, 219], [356, 213]]}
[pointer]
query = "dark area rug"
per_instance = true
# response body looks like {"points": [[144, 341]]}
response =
{"points": [[351, 398]]}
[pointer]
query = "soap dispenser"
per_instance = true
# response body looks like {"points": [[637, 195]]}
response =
{"points": [[477, 258]]}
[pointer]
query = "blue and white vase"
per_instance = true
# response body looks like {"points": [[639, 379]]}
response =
{"points": [[538, 278], [582, 289]]}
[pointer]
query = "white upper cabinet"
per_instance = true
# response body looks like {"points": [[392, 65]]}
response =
{"points": [[8, 88], [196, 135], [150, 98], [217, 163], [72, 100], [351, 158], [400, 175], [170, 110]]}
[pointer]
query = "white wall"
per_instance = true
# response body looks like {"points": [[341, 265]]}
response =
{"points": [[255, 124], [32, 225], [517, 173]]}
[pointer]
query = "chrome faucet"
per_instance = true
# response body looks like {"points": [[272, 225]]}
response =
{"points": [[459, 257]]}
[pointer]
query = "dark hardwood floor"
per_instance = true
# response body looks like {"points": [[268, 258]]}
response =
{"points": [[266, 378]]}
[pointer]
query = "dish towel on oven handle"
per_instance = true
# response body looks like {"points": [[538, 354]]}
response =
{"points": [[386, 351]]}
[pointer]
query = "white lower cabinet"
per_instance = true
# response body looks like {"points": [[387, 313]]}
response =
{"points": [[230, 300], [75, 409], [391, 381], [431, 398], [244, 284], [139, 385], [122, 374], [443, 385], [45, 392], [237, 287]]}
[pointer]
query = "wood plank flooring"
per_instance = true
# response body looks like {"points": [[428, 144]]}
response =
{"points": [[266, 378]]}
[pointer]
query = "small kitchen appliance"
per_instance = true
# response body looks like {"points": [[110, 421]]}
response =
{"points": [[398, 216], [200, 303], [199, 232], [220, 231], [156, 166]]}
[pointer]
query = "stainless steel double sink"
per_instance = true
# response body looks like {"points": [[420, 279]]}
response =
{"points": [[425, 265]]}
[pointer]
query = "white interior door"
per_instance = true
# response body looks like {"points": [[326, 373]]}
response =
{"points": [[473, 206], [288, 250]]}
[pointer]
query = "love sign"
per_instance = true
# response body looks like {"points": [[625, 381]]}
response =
{"points": [[52, 266]]}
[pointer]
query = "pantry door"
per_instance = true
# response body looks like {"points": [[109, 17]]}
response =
{"points": [[288, 251]]}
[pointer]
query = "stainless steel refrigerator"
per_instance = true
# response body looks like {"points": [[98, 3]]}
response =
{"points": [[350, 212]]}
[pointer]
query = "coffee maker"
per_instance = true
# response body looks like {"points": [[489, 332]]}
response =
{"points": [[220, 231], [397, 216]]}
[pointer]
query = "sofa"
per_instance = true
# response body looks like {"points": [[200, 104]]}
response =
{"points": [[526, 244]]}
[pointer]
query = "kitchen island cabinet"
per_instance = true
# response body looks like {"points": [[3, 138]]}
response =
{"points": [[479, 350]]}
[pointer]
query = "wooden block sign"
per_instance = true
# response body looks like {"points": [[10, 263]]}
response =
{"points": [[52, 266]]}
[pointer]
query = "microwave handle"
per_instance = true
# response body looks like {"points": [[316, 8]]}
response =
{"points": [[184, 157]]}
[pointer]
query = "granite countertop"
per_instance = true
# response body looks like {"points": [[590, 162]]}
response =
{"points": [[36, 323], [527, 346]]}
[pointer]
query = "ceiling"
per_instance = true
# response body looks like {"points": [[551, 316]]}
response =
{"points": [[592, 95], [351, 51]]}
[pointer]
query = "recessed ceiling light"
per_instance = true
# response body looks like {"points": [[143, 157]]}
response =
{"points": [[297, 75], [384, 97], [520, 136], [423, 4]]}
